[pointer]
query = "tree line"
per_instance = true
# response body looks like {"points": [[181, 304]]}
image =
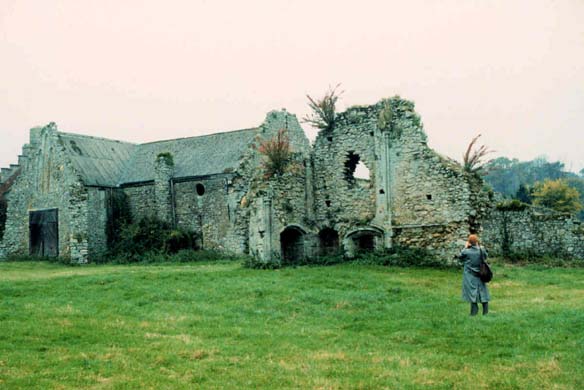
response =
{"points": [[539, 182]]}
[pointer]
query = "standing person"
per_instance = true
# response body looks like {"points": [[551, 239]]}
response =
{"points": [[473, 288]]}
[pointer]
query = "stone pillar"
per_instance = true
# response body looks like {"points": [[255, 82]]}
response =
{"points": [[164, 170], [383, 190]]}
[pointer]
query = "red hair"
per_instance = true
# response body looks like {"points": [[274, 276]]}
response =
{"points": [[473, 239]]}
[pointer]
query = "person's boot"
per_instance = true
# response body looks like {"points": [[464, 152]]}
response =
{"points": [[474, 309], [485, 308]]}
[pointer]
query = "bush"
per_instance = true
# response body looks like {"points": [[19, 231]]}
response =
{"points": [[324, 113], [150, 236], [277, 154], [511, 205]]}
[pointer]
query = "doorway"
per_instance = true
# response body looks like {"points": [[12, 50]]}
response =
{"points": [[44, 233]]}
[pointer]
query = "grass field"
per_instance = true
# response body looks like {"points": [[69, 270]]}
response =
{"points": [[217, 325]]}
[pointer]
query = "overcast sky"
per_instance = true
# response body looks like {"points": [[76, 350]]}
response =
{"points": [[148, 70]]}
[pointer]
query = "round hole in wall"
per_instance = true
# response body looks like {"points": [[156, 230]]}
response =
{"points": [[200, 189]]}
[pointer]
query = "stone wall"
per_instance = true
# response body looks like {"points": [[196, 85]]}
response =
{"points": [[534, 230], [208, 206], [141, 200], [48, 181], [414, 196], [98, 204]]}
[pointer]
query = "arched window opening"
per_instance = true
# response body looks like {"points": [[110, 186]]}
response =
{"points": [[292, 244], [329, 242], [200, 189]]}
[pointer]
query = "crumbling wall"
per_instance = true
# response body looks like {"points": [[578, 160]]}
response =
{"points": [[342, 200], [414, 196], [533, 230], [279, 202], [48, 181]]}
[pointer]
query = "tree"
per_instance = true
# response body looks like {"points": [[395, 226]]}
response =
{"points": [[523, 194], [473, 157], [324, 112], [557, 195]]}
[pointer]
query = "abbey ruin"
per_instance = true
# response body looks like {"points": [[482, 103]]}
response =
{"points": [[60, 193]]}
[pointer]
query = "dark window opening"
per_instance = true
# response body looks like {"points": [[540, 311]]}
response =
{"points": [[329, 242], [366, 242], [44, 233], [350, 166], [200, 189], [329, 139], [429, 197], [328, 203], [381, 191], [371, 133], [292, 243]]}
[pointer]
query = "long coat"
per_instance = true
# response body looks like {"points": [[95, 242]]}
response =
{"points": [[473, 289]]}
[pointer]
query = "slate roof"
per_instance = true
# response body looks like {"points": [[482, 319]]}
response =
{"points": [[99, 161], [193, 156]]}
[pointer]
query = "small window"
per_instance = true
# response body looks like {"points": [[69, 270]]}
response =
{"points": [[328, 203], [200, 189], [381, 191], [429, 197], [329, 139]]}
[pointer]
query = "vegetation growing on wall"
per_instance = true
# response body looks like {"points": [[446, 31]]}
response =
{"points": [[166, 157], [511, 205], [324, 110], [473, 158], [277, 154]]}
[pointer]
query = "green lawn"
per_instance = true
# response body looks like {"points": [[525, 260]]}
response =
{"points": [[217, 325]]}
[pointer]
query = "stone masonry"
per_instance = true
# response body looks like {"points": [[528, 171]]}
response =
{"points": [[371, 182]]}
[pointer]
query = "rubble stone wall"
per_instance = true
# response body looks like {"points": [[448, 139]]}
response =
{"points": [[48, 181], [414, 195], [533, 230]]}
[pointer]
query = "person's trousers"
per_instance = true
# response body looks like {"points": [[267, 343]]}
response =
{"points": [[474, 308]]}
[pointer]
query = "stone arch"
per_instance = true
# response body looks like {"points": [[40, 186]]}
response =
{"points": [[292, 244], [328, 242], [363, 239]]}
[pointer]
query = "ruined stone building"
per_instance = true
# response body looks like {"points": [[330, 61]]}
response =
{"points": [[61, 192]]}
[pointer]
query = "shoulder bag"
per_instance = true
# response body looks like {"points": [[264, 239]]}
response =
{"points": [[485, 273]]}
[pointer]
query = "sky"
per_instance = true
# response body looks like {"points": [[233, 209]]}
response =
{"points": [[142, 71]]}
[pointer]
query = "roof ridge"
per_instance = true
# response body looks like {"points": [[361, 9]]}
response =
{"points": [[96, 138], [200, 136]]}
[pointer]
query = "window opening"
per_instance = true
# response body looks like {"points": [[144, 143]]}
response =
{"points": [[200, 189], [355, 168]]}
